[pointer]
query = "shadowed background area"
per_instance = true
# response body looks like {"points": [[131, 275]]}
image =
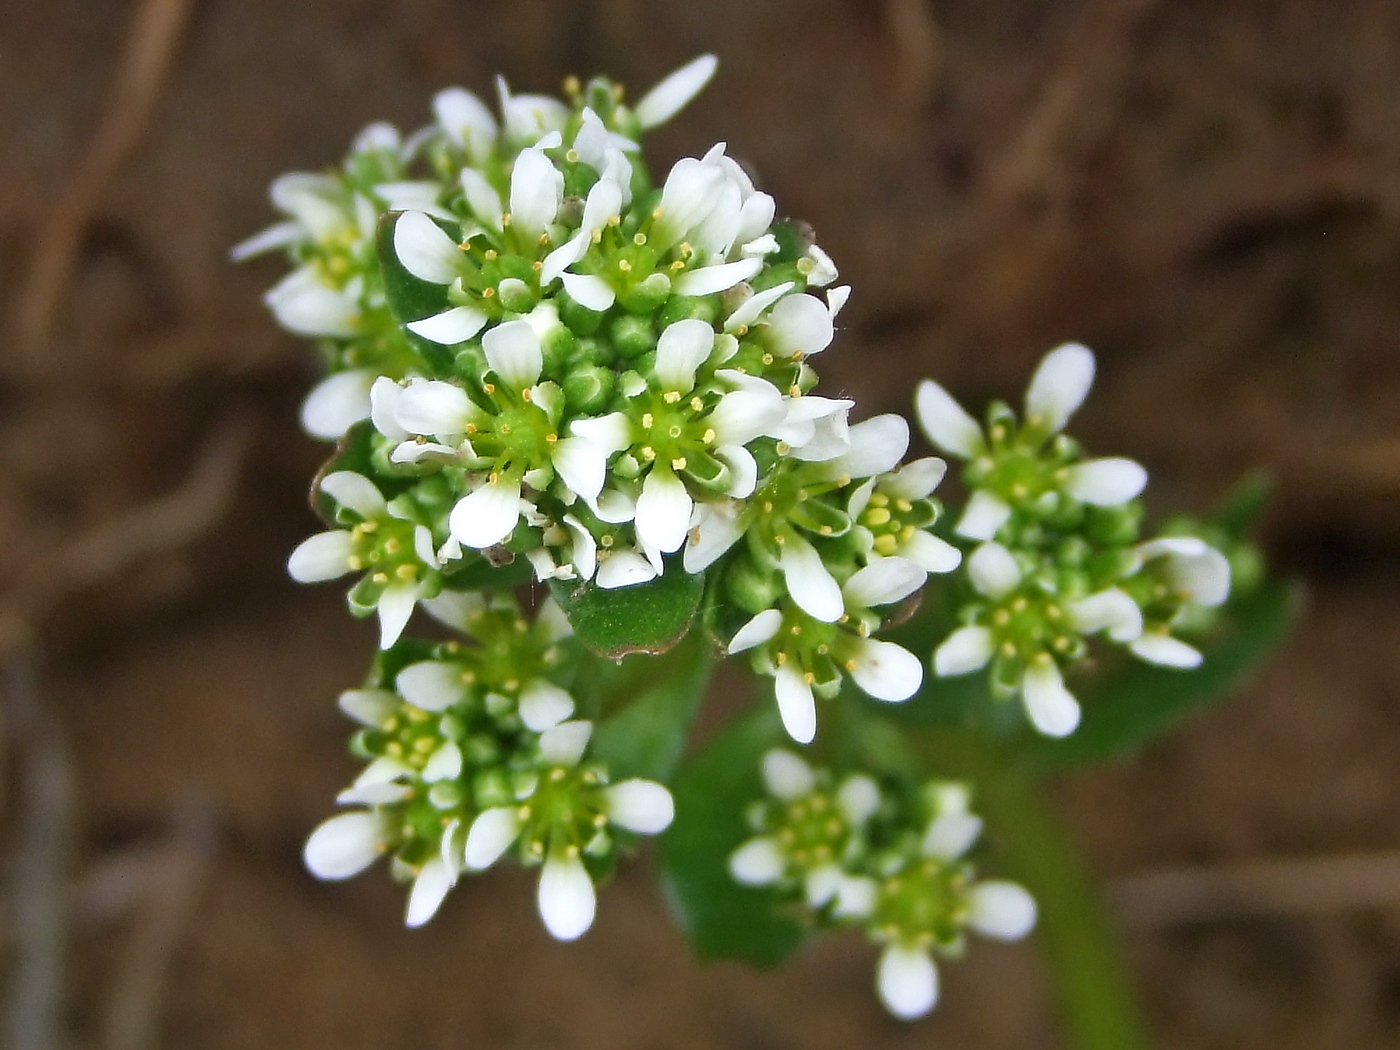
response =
{"points": [[1207, 194]]}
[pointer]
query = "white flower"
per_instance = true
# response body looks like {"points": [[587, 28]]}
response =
{"points": [[466, 121], [884, 670], [966, 650], [1051, 707], [303, 302], [1059, 386], [536, 190], [424, 250], [566, 898], [1195, 570], [430, 887], [954, 829]]}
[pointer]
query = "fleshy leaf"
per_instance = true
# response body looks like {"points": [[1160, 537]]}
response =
{"points": [[644, 618], [1133, 702], [723, 919], [645, 737]]}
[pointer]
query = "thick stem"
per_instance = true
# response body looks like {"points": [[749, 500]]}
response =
{"points": [[1091, 980]]}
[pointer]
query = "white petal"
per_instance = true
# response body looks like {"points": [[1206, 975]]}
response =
{"points": [[513, 353], [1052, 708], [1197, 570], [337, 403], [624, 569], [491, 834], [544, 705], [663, 511], [950, 835], [757, 631], [742, 415], [668, 97], [800, 324], [643, 806], [708, 280], [1165, 650], [429, 889], [564, 744], [917, 479], [743, 469], [993, 570], [822, 884], [754, 219], [887, 671], [809, 582], [1059, 386], [536, 188], [1112, 610], [687, 196], [747, 312], [303, 303], [456, 325], [424, 249], [444, 764], [584, 552], [612, 433], [1003, 910], [459, 609], [945, 422], [787, 776], [983, 517], [278, 236], [488, 515], [345, 845], [432, 685], [859, 798], [796, 705], [435, 407], [370, 707], [1106, 482], [384, 397], [581, 464], [757, 862], [907, 981], [567, 900], [836, 299], [423, 546], [823, 270], [883, 582], [682, 348], [482, 198], [395, 607], [930, 552], [354, 491], [465, 117], [855, 898], [966, 650], [324, 556], [715, 528], [589, 291], [877, 445], [382, 794]]}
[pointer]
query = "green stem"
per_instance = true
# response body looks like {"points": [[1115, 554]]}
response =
{"points": [[1090, 977]]}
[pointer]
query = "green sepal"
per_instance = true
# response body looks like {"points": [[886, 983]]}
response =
{"points": [[723, 919], [646, 618], [646, 737]]}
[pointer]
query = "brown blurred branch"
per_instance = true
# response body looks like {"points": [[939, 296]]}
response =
{"points": [[1311, 886], [150, 47], [161, 524]]}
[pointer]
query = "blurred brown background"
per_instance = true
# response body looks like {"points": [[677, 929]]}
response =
{"points": [[1208, 194]]}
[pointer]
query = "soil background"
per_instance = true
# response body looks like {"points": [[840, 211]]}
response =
{"points": [[1208, 194]]}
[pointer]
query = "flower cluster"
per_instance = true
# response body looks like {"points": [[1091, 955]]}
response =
{"points": [[472, 750], [538, 354], [1058, 555], [849, 854]]}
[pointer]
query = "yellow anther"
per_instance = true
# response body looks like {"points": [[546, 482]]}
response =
{"points": [[639, 238], [648, 420], [505, 218], [406, 572], [671, 397], [488, 292], [709, 436], [877, 515], [678, 463], [648, 453], [356, 563], [380, 578], [624, 265], [886, 544], [489, 255], [551, 438]]}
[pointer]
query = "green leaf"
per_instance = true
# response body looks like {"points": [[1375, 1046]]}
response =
{"points": [[354, 452], [648, 618], [723, 919], [646, 737], [410, 298], [1131, 703]]}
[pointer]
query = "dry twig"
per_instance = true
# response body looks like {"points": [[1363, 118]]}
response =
{"points": [[150, 48]]}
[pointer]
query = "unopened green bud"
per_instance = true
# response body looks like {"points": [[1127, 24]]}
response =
{"points": [[633, 336], [588, 390], [580, 319], [648, 295], [751, 588], [516, 295]]}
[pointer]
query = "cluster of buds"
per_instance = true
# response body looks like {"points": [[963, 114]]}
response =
{"points": [[472, 750], [846, 853], [1057, 554]]}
